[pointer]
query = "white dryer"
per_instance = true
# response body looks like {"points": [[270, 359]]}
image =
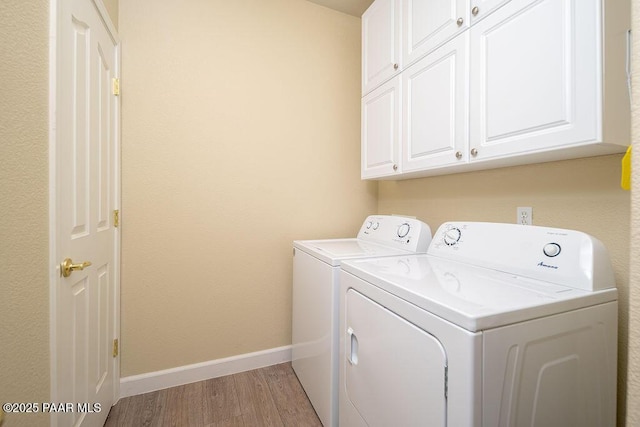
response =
{"points": [[498, 325], [315, 320]]}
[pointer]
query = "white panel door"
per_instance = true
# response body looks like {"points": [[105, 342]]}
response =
{"points": [[426, 24], [381, 133], [395, 373], [380, 43], [435, 108], [86, 193], [535, 77]]}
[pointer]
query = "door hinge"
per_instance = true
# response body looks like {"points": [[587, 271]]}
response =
{"points": [[116, 218], [116, 86], [115, 348], [446, 382]]}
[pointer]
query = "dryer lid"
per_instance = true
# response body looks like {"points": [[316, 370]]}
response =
{"points": [[472, 297]]}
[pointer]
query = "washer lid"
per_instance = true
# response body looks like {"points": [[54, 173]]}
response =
{"points": [[472, 297], [333, 251]]}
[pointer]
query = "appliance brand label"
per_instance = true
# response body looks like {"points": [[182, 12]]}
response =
{"points": [[542, 264]]}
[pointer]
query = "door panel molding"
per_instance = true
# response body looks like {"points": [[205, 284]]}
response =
{"points": [[85, 218]]}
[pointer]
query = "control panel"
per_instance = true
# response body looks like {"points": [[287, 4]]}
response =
{"points": [[396, 231], [565, 257]]}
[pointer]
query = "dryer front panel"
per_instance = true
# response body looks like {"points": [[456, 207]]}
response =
{"points": [[555, 371], [395, 373]]}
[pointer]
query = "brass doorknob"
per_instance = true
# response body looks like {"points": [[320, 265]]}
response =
{"points": [[67, 267]]}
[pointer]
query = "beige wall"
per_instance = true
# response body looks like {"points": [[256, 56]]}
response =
{"points": [[241, 133], [112, 7], [633, 400], [24, 224], [283, 195]]}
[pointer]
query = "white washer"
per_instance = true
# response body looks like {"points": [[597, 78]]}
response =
{"points": [[316, 264], [498, 325]]}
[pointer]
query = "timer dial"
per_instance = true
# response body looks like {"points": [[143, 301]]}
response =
{"points": [[452, 236], [403, 230]]}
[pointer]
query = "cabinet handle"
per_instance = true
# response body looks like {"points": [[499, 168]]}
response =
{"points": [[395, 167], [458, 155], [460, 21], [475, 11], [474, 152], [395, 66]]}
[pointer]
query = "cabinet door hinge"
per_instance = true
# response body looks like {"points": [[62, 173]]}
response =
{"points": [[115, 348], [116, 218], [116, 86]]}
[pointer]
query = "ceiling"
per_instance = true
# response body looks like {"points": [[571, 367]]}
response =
{"points": [[350, 7]]}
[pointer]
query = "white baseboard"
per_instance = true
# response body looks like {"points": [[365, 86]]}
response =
{"points": [[159, 380]]}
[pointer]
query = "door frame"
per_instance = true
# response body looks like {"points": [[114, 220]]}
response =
{"points": [[54, 252]]}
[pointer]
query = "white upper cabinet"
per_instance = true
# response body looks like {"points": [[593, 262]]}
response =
{"points": [[528, 81], [381, 119], [435, 108], [537, 80], [380, 43], [427, 24]]}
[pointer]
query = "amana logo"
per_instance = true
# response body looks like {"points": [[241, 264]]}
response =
{"points": [[542, 264]]}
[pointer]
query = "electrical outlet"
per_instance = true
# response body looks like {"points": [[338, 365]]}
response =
{"points": [[524, 215]]}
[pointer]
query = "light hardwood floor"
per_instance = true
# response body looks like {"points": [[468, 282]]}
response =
{"points": [[270, 396]]}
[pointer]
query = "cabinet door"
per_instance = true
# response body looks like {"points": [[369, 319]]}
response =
{"points": [[535, 78], [482, 8], [380, 43], [381, 117], [427, 24], [435, 108]]}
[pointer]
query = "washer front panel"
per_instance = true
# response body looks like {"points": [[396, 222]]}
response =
{"points": [[314, 333]]}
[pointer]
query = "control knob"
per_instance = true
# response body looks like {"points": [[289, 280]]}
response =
{"points": [[452, 236], [551, 249], [403, 230]]}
